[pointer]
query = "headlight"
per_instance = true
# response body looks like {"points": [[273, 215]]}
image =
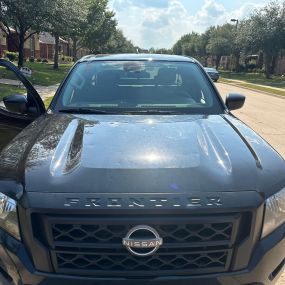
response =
{"points": [[274, 212], [8, 216]]}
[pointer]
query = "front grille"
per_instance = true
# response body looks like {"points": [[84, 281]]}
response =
{"points": [[93, 246], [122, 262], [173, 233]]}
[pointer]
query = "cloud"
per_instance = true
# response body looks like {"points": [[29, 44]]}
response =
{"points": [[121, 5], [151, 3], [157, 23], [161, 28], [152, 25], [160, 23]]}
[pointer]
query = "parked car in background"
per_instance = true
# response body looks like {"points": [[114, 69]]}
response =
{"points": [[137, 174], [213, 73]]}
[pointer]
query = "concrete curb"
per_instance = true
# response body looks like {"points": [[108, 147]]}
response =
{"points": [[255, 90]]}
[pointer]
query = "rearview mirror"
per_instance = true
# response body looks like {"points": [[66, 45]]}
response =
{"points": [[16, 103], [235, 101]]}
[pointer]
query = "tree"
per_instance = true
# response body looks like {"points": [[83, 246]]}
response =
{"points": [[204, 40], [62, 16], [264, 32], [78, 27], [23, 17], [118, 43], [221, 42], [179, 46], [101, 25], [194, 45]]}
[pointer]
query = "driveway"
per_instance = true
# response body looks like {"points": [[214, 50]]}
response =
{"points": [[263, 113], [266, 115]]}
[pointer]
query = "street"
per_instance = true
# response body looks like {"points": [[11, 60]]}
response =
{"points": [[264, 114]]}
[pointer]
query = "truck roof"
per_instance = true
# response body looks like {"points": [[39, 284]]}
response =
{"points": [[137, 57]]}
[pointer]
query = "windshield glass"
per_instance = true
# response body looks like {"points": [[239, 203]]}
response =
{"points": [[138, 86]]}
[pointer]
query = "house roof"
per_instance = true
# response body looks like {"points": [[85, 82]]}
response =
{"points": [[47, 38]]}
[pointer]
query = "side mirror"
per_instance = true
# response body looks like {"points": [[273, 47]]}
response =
{"points": [[235, 101], [16, 103]]}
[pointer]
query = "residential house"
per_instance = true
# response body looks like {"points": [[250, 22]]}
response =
{"points": [[47, 43], [31, 46], [38, 46]]}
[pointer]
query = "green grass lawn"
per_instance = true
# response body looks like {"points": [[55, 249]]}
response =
{"points": [[249, 80], [47, 101], [254, 87], [255, 78], [43, 73], [6, 90]]}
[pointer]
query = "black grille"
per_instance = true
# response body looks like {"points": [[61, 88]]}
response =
{"points": [[209, 232], [120, 262], [93, 246]]}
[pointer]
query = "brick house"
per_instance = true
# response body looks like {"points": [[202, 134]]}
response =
{"points": [[38, 46], [47, 43], [31, 46]]}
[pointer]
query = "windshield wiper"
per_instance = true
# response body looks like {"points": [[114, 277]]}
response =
{"points": [[84, 111], [121, 112], [154, 112]]}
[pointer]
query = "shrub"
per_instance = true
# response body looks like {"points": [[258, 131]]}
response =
{"points": [[66, 58], [12, 56], [69, 58], [39, 60], [31, 59], [251, 66], [241, 68], [44, 60], [262, 70]]}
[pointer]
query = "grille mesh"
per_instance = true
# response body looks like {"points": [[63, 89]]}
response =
{"points": [[125, 262], [93, 246], [115, 233]]}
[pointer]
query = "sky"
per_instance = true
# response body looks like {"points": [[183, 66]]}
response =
{"points": [[160, 23]]}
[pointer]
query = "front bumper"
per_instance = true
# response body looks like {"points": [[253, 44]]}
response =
{"points": [[266, 265]]}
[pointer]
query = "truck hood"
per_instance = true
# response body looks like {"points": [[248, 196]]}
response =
{"points": [[137, 154]]}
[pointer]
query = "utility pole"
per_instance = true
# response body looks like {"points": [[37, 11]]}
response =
{"points": [[235, 21]]}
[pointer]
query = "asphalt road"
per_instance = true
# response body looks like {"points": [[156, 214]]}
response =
{"points": [[263, 113], [266, 115]]}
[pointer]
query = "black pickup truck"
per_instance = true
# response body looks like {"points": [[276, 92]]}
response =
{"points": [[137, 173]]}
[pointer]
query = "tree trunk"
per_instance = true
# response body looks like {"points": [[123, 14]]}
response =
{"points": [[237, 58], [218, 59], [260, 60], [273, 63], [206, 61], [74, 48], [268, 62], [56, 50], [21, 49]]}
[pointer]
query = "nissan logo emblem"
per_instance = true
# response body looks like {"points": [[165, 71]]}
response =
{"points": [[141, 238]]}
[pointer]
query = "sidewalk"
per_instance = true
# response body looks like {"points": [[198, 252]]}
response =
{"points": [[258, 85], [44, 91]]}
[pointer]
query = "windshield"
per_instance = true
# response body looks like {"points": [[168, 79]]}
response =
{"points": [[137, 86]]}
